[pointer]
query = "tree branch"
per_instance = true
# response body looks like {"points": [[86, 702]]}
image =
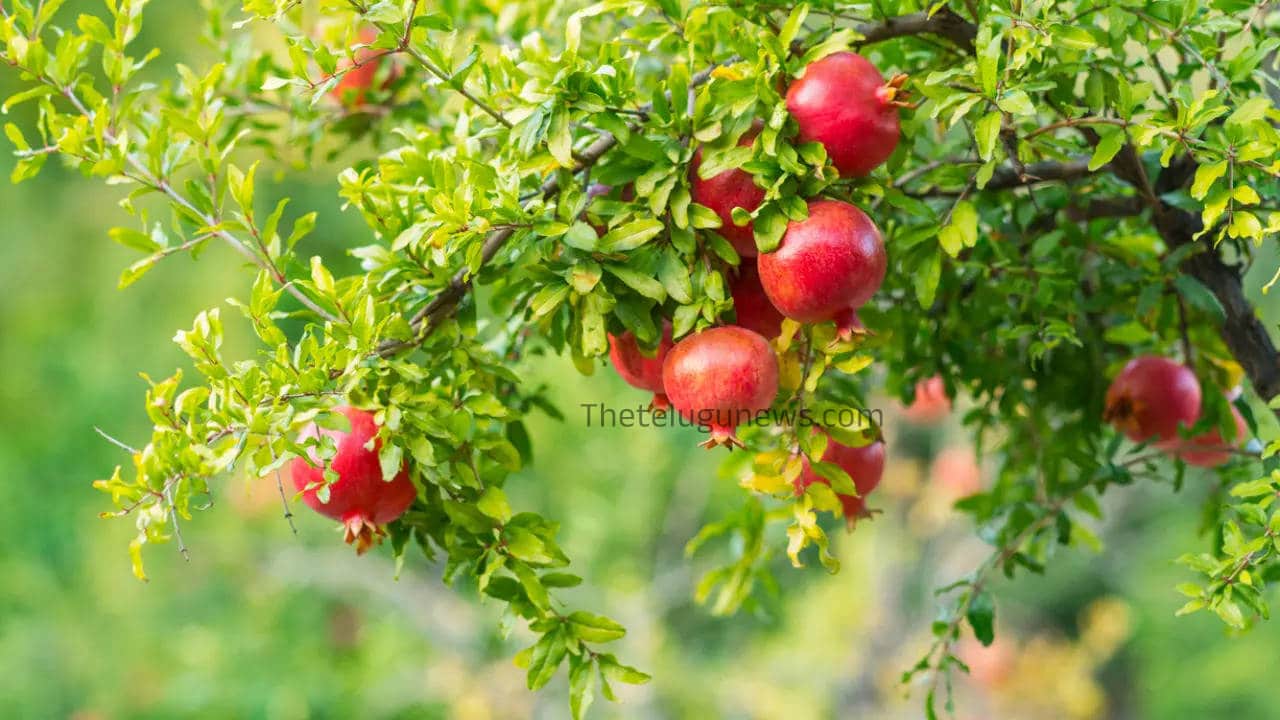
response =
{"points": [[944, 23], [1242, 331]]}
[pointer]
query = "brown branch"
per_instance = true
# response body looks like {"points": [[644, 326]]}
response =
{"points": [[1245, 335], [1008, 178], [943, 23]]}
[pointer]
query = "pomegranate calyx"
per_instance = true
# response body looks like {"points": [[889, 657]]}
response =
{"points": [[721, 435], [362, 533]]}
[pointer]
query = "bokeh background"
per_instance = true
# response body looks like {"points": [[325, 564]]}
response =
{"points": [[264, 624]]}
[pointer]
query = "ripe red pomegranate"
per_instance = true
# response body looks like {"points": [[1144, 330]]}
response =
{"points": [[844, 103], [1209, 449], [720, 378], [353, 87], [931, 404], [641, 370], [827, 264], [751, 305], [865, 466], [360, 499], [1151, 397], [724, 192]]}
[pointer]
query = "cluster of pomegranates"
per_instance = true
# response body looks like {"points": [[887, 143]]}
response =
{"points": [[1153, 396], [825, 267]]}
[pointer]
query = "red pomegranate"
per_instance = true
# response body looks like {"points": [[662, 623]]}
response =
{"points": [[353, 87], [955, 470], [1151, 397], [844, 103], [641, 370], [728, 190], [1209, 449], [360, 499], [751, 305], [931, 404], [865, 466], [827, 264], [721, 378]]}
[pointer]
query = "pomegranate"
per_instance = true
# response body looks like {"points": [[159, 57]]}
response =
{"points": [[360, 499], [352, 88], [1151, 397], [720, 378], [844, 103], [931, 404], [1209, 449], [728, 190], [827, 264], [639, 369], [751, 305], [865, 466], [956, 471]]}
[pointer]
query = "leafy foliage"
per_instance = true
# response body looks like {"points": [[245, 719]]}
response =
{"points": [[1068, 193]]}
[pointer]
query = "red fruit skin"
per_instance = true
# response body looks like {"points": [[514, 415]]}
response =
{"points": [[1151, 397], [752, 306], [826, 264], [352, 88], [843, 103], [1209, 449], [639, 370], [360, 499], [720, 378], [931, 405], [724, 192], [865, 466]]}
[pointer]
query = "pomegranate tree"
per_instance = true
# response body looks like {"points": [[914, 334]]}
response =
{"points": [[360, 498], [1151, 397], [724, 191], [721, 378], [642, 369], [843, 102], [865, 466], [826, 264]]}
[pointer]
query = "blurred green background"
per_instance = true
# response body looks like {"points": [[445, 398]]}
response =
{"points": [[262, 624]]}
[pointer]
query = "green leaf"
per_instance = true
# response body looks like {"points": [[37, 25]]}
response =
{"points": [[595, 628], [1206, 176], [134, 239], [981, 616], [1199, 297], [631, 235], [493, 503], [641, 283], [986, 131], [1107, 148], [926, 278]]}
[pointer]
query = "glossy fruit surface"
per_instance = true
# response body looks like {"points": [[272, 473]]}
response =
{"points": [[751, 306], [734, 188], [360, 498], [827, 264], [721, 378], [843, 102], [1151, 397], [638, 369]]}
